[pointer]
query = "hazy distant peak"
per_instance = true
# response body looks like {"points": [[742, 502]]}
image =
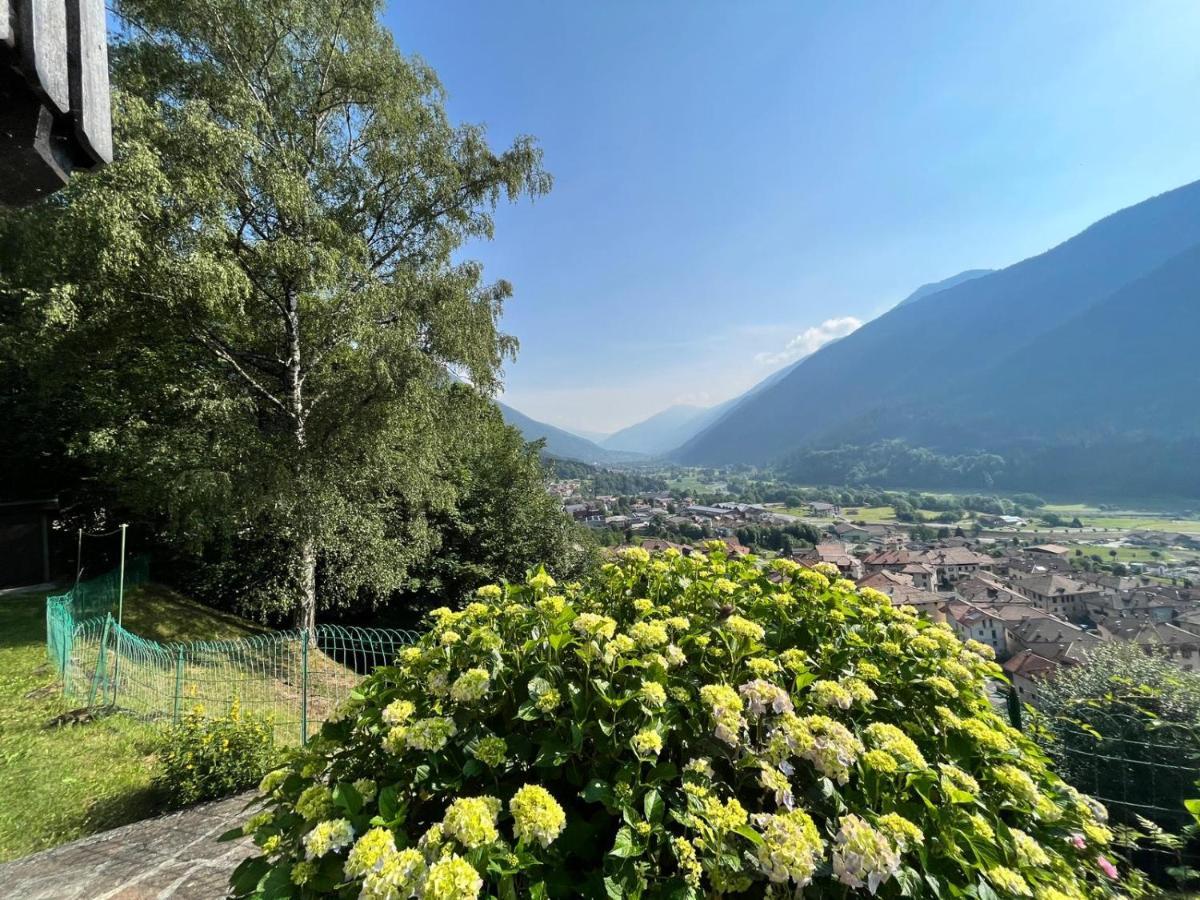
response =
{"points": [[935, 286], [661, 432]]}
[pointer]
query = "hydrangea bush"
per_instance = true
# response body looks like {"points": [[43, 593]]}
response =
{"points": [[678, 727]]}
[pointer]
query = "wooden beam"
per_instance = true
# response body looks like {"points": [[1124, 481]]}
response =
{"points": [[8, 36], [42, 25], [88, 60]]}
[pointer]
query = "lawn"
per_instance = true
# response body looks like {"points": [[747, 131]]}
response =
{"points": [[872, 515], [1132, 554], [161, 614], [1143, 523], [61, 782]]}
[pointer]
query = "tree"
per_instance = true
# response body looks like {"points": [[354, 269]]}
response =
{"points": [[1125, 725], [503, 519], [261, 295]]}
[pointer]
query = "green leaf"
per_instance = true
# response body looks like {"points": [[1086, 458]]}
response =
{"points": [[248, 874], [958, 796], [910, 882], [557, 641], [750, 834], [804, 680], [625, 846], [231, 835], [653, 806], [346, 796], [388, 806], [597, 791], [528, 711], [277, 885]]}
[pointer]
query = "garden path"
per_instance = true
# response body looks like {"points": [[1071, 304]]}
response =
{"points": [[171, 857]]}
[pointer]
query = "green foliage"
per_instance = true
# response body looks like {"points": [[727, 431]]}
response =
{"points": [[502, 519], [894, 464], [676, 727], [605, 482], [1123, 704], [263, 301], [206, 758]]}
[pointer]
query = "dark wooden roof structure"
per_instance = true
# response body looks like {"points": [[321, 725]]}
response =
{"points": [[55, 116]]}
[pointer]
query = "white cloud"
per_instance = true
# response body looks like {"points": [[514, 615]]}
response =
{"points": [[810, 340]]}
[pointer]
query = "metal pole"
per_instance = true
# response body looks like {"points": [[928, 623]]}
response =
{"points": [[101, 663], [303, 687], [79, 557], [178, 683], [120, 615], [121, 583]]}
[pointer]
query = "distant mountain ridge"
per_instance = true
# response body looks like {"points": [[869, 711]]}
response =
{"points": [[934, 286], [562, 443], [1002, 359], [660, 432]]}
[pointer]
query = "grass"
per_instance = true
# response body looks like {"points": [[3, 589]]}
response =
{"points": [[1133, 554], [1142, 523], [62, 782], [161, 614], [872, 515]]}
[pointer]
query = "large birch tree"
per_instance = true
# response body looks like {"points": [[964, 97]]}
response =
{"points": [[258, 305]]}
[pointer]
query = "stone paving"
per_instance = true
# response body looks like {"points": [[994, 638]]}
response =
{"points": [[173, 856]]}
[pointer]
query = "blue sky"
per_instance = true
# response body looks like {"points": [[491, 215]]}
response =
{"points": [[731, 177]]}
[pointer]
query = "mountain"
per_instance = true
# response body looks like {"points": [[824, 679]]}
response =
{"points": [[596, 437], [665, 431], [562, 443], [661, 432], [1123, 365], [934, 286], [1013, 358]]}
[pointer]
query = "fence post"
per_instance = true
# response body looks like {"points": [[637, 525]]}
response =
{"points": [[101, 663], [178, 684], [303, 686], [66, 635], [1014, 708]]}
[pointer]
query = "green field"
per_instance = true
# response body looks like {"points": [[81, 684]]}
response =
{"points": [[61, 782], [1142, 523]]}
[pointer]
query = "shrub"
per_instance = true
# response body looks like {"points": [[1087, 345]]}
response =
{"points": [[678, 727], [207, 758], [1125, 724]]}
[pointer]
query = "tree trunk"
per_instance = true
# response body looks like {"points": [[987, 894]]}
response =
{"points": [[306, 610]]}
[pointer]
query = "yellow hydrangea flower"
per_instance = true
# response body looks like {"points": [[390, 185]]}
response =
{"points": [[537, 817], [472, 821], [452, 878]]}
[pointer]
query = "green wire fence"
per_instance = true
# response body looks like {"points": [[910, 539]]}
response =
{"points": [[294, 678]]}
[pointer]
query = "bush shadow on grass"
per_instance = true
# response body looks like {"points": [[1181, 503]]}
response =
{"points": [[125, 808]]}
